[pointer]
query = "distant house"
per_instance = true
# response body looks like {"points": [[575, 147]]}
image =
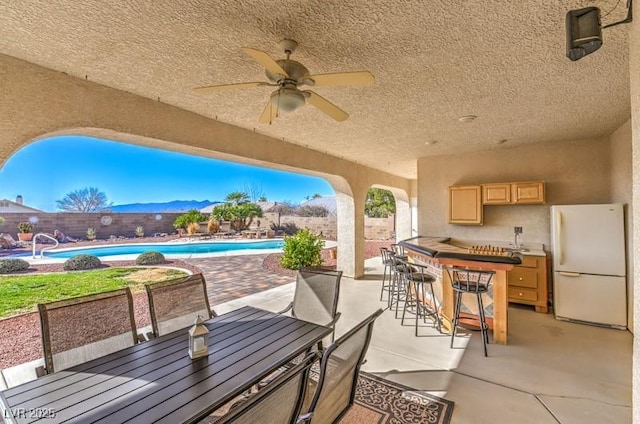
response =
{"points": [[9, 206]]}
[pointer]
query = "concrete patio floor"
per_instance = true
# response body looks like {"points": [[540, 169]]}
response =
{"points": [[551, 371]]}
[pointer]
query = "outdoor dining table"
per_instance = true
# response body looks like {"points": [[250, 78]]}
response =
{"points": [[157, 382]]}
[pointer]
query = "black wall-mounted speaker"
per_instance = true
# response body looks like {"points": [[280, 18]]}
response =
{"points": [[584, 32]]}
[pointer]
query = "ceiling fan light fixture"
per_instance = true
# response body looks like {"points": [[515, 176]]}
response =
{"points": [[287, 99]]}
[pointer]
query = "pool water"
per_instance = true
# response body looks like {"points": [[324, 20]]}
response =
{"points": [[166, 248]]}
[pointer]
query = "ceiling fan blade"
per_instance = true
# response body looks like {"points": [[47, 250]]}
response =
{"points": [[326, 106], [268, 114], [265, 60], [342, 78], [215, 88]]}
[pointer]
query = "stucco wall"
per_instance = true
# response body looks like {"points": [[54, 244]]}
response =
{"points": [[574, 172], [634, 75], [621, 192]]}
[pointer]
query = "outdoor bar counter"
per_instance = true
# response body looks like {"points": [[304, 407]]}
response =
{"points": [[441, 252]]}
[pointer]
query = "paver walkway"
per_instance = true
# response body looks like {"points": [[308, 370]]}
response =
{"points": [[232, 277]]}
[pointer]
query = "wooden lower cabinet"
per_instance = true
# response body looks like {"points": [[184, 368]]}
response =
{"points": [[527, 283]]}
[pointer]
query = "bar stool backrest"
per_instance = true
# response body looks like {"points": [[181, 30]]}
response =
{"points": [[386, 255], [470, 280]]}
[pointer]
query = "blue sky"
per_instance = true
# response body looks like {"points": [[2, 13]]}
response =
{"points": [[45, 171]]}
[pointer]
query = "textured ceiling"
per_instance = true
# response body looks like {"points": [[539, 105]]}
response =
{"points": [[433, 62]]}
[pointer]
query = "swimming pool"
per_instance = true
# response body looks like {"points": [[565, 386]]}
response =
{"points": [[171, 249]]}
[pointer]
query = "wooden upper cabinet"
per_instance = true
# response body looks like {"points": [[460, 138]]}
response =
{"points": [[496, 194], [530, 192], [465, 205]]}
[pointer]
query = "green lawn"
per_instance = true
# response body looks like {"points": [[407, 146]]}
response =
{"points": [[19, 294]]}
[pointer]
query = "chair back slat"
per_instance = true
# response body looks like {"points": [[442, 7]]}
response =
{"points": [[316, 295], [339, 371], [277, 403], [470, 280], [175, 304], [83, 328]]}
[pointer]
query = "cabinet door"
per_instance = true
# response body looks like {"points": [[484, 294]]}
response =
{"points": [[465, 205], [496, 194], [527, 192]]}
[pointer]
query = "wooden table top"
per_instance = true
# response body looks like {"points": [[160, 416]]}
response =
{"points": [[157, 381]]}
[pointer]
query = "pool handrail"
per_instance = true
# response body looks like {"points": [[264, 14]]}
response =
{"points": [[33, 244]]}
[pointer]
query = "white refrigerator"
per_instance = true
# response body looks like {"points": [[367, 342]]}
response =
{"points": [[589, 264]]}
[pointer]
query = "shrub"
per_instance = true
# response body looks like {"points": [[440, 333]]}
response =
{"points": [[9, 265], [150, 258], [81, 262], [188, 218], [140, 231], [193, 228], [302, 249], [1, 221], [91, 233], [213, 226], [25, 227]]}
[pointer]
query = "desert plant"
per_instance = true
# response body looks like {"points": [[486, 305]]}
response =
{"points": [[91, 233], [213, 226], [190, 217], [302, 249], [140, 231], [10, 265], [150, 258], [193, 228], [1, 221], [25, 227], [81, 262]]}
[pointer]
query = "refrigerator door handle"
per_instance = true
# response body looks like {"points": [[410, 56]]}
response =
{"points": [[569, 274], [559, 236]]}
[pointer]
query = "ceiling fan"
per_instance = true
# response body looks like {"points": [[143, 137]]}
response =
{"points": [[288, 75]]}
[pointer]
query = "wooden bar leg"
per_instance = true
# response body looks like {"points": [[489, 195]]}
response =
{"points": [[500, 307], [448, 298]]}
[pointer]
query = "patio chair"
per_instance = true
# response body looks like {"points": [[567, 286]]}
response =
{"points": [[82, 328], [8, 242], [278, 403], [316, 297], [334, 393], [225, 230], [175, 304]]}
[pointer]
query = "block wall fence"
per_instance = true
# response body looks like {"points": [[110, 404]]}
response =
{"points": [[124, 224]]}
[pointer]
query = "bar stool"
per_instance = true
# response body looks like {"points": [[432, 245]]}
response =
{"points": [[398, 281], [477, 282], [418, 280], [386, 285]]}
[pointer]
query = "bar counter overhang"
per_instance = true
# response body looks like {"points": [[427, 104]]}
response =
{"points": [[440, 252]]}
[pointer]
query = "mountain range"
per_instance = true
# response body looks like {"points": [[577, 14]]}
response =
{"points": [[172, 206]]}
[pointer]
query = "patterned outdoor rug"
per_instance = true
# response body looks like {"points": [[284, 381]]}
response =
{"points": [[380, 401]]}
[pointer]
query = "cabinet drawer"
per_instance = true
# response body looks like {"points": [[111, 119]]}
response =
{"points": [[530, 261], [523, 277], [522, 294]]}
